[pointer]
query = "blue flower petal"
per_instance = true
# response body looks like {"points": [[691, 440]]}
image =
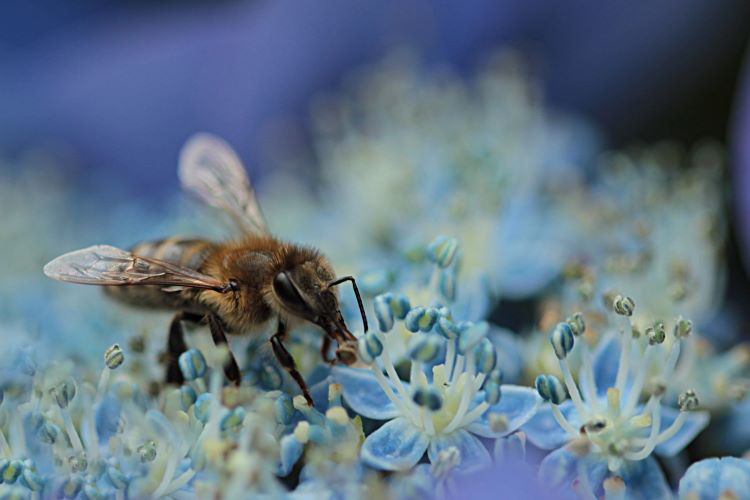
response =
{"points": [[606, 359], [543, 431], [397, 445], [518, 404], [474, 456], [289, 453], [363, 393], [695, 422], [107, 418], [560, 469], [509, 353], [714, 477], [644, 479]]}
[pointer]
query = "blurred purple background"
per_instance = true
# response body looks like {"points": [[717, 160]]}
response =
{"points": [[118, 86]]}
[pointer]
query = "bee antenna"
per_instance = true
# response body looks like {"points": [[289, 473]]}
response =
{"points": [[356, 292]]}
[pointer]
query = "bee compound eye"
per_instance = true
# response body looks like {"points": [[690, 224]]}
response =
{"points": [[287, 292]]}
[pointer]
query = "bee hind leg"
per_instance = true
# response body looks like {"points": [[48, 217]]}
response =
{"points": [[325, 349], [176, 345], [231, 368], [287, 361]]}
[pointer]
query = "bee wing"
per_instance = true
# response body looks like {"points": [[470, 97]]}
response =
{"points": [[210, 169], [106, 265]]}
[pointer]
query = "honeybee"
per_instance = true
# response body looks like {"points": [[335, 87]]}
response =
{"points": [[246, 286]]}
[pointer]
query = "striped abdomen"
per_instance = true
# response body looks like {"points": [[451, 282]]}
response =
{"points": [[188, 252]]}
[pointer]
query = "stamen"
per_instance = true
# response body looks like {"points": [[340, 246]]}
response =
{"points": [[588, 368], [623, 368], [573, 389], [640, 379], [450, 358], [672, 429], [563, 422]]}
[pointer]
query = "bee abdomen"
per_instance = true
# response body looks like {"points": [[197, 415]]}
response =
{"points": [[188, 252]]}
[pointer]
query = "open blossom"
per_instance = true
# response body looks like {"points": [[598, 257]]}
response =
{"points": [[611, 433], [454, 394]]}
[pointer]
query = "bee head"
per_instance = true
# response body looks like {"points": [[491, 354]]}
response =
{"points": [[313, 298]]}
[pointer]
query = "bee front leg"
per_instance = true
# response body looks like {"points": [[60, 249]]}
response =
{"points": [[231, 369], [287, 361], [176, 345]]}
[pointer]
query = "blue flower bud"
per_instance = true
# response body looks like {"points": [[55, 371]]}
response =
{"points": [[118, 479], [412, 318], [290, 452], [485, 356], [30, 478], [270, 377], [447, 284], [442, 250], [491, 392], [428, 397], [188, 397], [496, 376], [202, 407], [10, 470], [471, 334], [232, 421], [192, 364], [284, 409], [400, 305], [447, 328], [64, 393], [550, 389], [428, 319], [424, 348], [383, 312], [369, 347], [562, 340], [113, 357]]}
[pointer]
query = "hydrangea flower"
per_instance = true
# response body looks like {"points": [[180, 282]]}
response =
{"points": [[727, 477], [451, 399], [611, 432]]}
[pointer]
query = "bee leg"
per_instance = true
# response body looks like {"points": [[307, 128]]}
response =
{"points": [[287, 361], [231, 369], [325, 348], [176, 345]]}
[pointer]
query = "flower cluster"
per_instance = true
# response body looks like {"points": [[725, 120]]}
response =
{"points": [[538, 310]]}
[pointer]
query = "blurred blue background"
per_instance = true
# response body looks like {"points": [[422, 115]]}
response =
{"points": [[114, 88]]}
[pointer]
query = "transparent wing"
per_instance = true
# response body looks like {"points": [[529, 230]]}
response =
{"points": [[106, 265], [210, 169]]}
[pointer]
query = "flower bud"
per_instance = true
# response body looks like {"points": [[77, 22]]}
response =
{"points": [[113, 357], [289, 453], [428, 397], [442, 251], [683, 328], [399, 305], [188, 397], [577, 324], [562, 340], [192, 364], [550, 389], [202, 407], [623, 305], [232, 420], [383, 311], [656, 333], [369, 347], [485, 356], [492, 392], [64, 393], [423, 347], [10, 470], [447, 328], [30, 478]]}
